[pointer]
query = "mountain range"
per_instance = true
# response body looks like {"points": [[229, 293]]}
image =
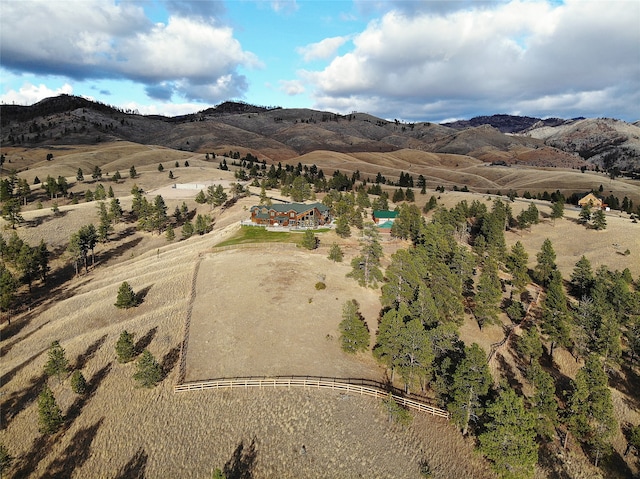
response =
{"points": [[279, 134]]}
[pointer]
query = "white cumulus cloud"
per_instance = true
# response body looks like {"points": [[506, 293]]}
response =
{"points": [[29, 94], [528, 56], [115, 40], [321, 50], [292, 87]]}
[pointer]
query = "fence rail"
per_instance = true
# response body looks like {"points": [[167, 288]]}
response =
{"points": [[361, 387]]}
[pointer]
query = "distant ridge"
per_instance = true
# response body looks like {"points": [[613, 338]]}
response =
{"points": [[281, 134], [508, 123]]}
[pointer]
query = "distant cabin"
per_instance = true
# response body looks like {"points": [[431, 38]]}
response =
{"points": [[592, 200], [384, 219], [293, 215]]}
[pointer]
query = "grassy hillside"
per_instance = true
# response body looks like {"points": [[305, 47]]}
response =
{"points": [[250, 305]]}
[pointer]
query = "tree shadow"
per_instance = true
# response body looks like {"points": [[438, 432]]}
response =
{"points": [[145, 340], [75, 454], [128, 231], [507, 372], [627, 382], [119, 250], [550, 460], [8, 376], [615, 467], [43, 294], [84, 358], [169, 361], [242, 461], [134, 469], [19, 400], [142, 294], [92, 386], [562, 381], [28, 462], [40, 220]]}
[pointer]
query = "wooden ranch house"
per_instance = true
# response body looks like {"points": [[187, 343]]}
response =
{"points": [[293, 215], [592, 200]]}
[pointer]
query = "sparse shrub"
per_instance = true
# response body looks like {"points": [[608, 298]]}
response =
{"points": [[396, 412], [627, 252], [320, 285]]}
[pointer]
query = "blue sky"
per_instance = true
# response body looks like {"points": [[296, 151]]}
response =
{"points": [[411, 60]]}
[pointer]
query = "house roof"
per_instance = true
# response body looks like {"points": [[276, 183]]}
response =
{"points": [[297, 207], [384, 214], [590, 198], [386, 225]]}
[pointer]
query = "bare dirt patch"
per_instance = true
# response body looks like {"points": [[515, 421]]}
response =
{"points": [[257, 313]]}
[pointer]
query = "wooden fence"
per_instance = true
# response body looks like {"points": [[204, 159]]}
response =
{"points": [[360, 387]]}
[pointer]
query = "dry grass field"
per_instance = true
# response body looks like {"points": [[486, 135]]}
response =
{"points": [[256, 312]]}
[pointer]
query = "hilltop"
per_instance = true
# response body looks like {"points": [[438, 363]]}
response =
{"points": [[279, 134]]}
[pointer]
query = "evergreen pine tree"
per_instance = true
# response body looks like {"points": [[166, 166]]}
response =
{"points": [[49, 414], [126, 297], [543, 402], [170, 232], [582, 278], [201, 198], [546, 263], [471, 381], [335, 253], [509, 441], [342, 226], [557, 210], [487, 300], [57, 364], [585, 214], [125, 349], [555, 314], [78, 383], [354, 334], [309, 240], [187, 229], [599, 220], [388, 341], [517, 265], [366, 267], [149, 372], [590, 409], [529, 344]]}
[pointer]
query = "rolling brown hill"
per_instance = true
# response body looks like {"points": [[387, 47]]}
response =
{"points": [[281, 134]]}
